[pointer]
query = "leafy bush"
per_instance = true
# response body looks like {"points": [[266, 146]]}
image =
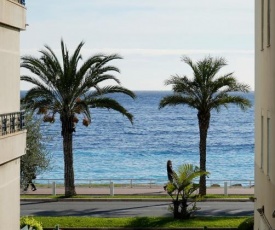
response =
{"points": [[31, 222], [37, 158], [247, 224]]}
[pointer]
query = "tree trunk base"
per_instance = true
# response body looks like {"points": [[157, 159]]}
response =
{"points": [[183, 214], [70, 193]]}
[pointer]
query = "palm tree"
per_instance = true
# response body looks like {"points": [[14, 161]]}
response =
{"points": [[181, 189], [205, 92], [64, 88]]}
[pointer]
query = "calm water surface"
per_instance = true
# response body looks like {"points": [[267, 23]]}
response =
{"points": [[113, 148]]}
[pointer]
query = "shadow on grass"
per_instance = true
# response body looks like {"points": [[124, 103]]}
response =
{"points": [[193, 222], [146, 222]]}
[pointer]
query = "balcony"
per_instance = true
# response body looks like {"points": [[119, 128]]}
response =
{"points": [[22, 2], [11, 123], [13, 13], [13, 136]]}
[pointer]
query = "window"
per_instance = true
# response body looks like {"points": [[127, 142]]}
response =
{"points": [[262, 24], [268, 23], [268, 146], [262, 142]]}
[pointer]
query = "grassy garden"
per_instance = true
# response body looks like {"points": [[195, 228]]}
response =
{"points": [[141, 222]]}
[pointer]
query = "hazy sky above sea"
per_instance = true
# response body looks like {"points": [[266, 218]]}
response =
{"points": [[151, 35]]}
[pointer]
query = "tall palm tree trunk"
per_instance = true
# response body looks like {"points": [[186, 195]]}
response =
{"points": [[204, 119], [68, 157]]}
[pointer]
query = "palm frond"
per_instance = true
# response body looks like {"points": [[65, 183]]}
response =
{"points": [[225, 99], [37, 67], [94, 71], [76, 56], [113, 89], [107, 59], [37, 98], [177, 99], [93, 80], [109, 103], [193, 66]]}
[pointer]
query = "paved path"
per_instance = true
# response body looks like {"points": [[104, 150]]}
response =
{"points": [[129, 208], [156, 190]]}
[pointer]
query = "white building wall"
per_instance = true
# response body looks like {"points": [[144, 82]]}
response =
{"points": [[12, 20], [12, 145], [10, 73], [264, 113]]}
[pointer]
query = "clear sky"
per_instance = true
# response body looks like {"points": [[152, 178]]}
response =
{"points": [[151, 35]]}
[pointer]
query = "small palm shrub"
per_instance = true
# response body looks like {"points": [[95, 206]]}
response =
{"points": [[31, 222], [182, 191]]}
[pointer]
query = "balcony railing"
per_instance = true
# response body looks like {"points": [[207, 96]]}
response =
{"points": [[11, 123], [20, 1]]}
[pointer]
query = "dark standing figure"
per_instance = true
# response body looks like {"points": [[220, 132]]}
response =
{"points": [[30, 182], [169, 172]]}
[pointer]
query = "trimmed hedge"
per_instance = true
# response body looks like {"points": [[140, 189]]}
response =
{"points": [[247, 224]]}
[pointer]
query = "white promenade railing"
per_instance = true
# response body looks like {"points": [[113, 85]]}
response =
{"points": [[105, 182], [220, 186], [145, 182], [231, 183]]}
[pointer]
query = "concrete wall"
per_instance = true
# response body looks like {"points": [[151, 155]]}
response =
{"points": [[13, 14], [12, 146], [264, 113], [12, 20]]}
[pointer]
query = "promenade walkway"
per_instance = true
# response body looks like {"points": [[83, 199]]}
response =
{"points": [[139, 190]]}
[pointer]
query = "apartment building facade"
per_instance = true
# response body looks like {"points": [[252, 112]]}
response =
{"points": [[12, 133], [264, 214]]}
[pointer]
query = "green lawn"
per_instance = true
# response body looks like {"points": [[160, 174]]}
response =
{"points": [[131, 222]]}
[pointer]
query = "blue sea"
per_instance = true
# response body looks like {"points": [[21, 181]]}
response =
{"points": [[112, 148]]}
